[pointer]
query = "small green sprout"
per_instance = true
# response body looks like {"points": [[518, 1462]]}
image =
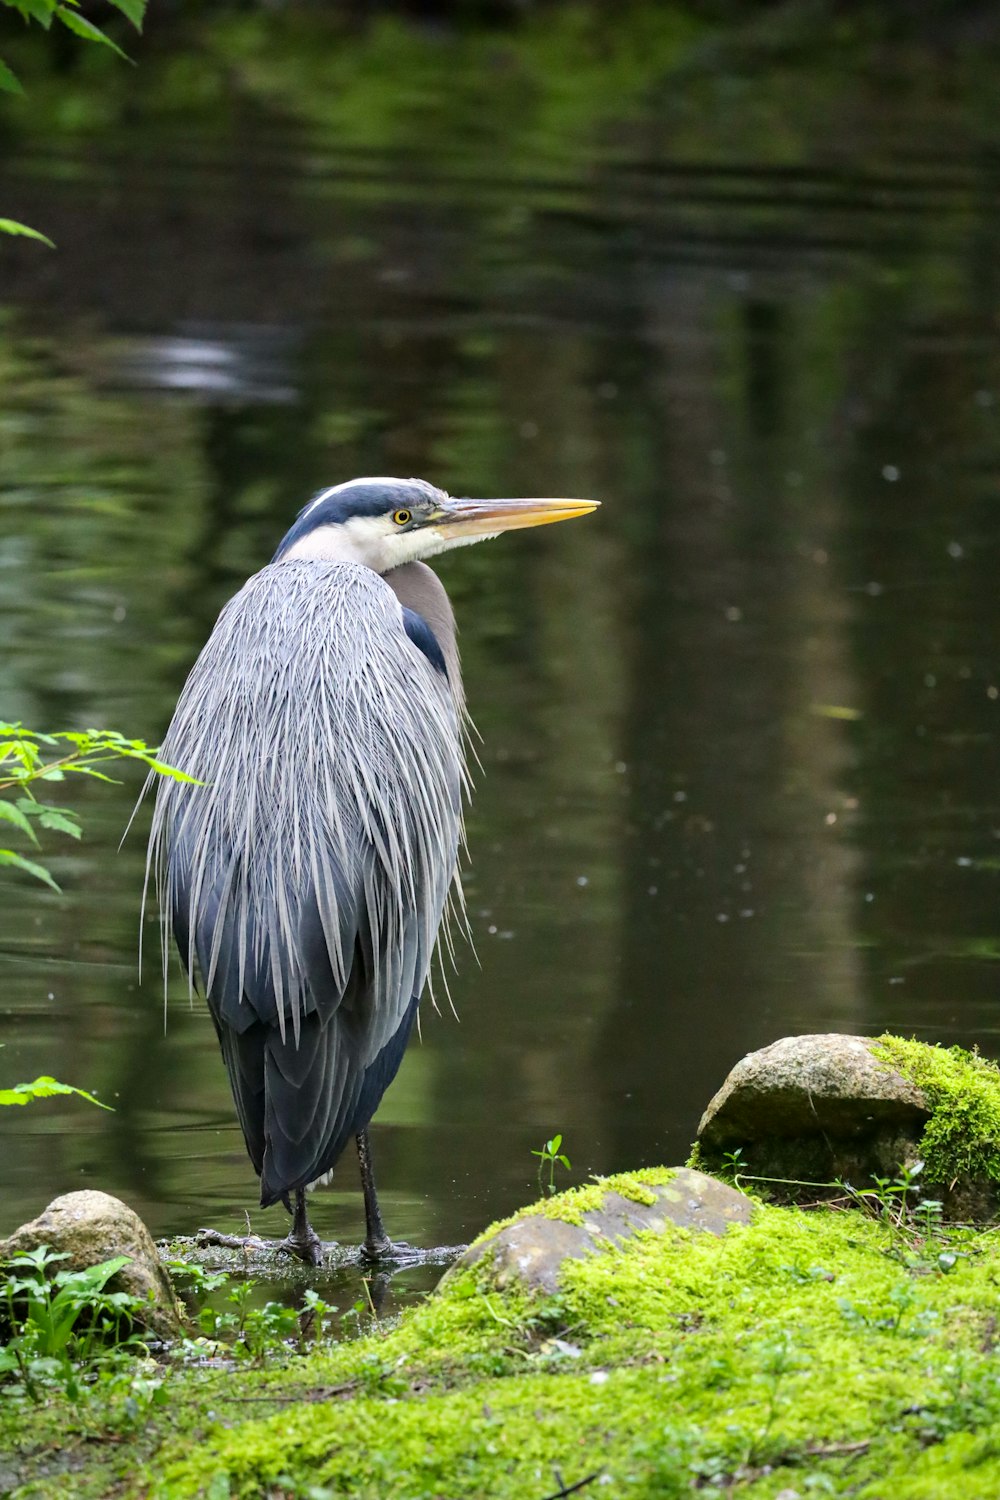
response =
{"points": [[550, 1155]]}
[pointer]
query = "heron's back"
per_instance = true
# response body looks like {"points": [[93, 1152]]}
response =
{"points": [[306, 878]]}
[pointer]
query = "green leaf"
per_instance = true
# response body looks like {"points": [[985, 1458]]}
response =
{"points": [[60, 822], [9, 81], [11, 226], [835, 711], [35, 10], [91, 33], [44, 1088], [92, 1279], [162, 769], [8, 857], [37, 1259], [135, 10], [84, 771], [11, 813]]}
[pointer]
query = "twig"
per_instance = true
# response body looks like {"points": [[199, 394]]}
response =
{"points": [[310, 1396], [571, 1489], [232, 1241], [838, 1450]]}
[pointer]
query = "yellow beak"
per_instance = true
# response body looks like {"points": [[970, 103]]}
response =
{"points": [[487, 517]]}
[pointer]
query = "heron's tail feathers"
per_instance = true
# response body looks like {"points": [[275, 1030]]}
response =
{"points": [[317, 1097]]}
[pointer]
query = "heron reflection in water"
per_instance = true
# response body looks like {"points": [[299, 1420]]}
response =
{"points": [[306, 877]]}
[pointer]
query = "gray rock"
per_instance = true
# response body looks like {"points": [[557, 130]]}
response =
{"points": [[92, 1227], [814, 1108], [533, 1249]]}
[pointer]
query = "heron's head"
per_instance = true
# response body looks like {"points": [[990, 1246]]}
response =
{"points": [[382, 523]]}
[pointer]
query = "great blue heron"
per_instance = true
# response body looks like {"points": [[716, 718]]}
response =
{"points": [[305, 878]]}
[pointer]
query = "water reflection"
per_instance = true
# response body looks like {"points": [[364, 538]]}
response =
{"points": [[241, 364], [739, 735]]}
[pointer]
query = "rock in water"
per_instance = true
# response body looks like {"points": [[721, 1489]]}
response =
{"points": [[533, 1249], [815, 1108], [92, 1227]]}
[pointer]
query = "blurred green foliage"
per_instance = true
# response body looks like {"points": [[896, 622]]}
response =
{"points": [[64, 13]]}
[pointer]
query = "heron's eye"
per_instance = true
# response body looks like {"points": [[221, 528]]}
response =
{"points": [[402, 517]]}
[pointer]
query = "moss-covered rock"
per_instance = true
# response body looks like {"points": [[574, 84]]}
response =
{"points": [[960, 1143], [808, 1111], [532, 1248]]}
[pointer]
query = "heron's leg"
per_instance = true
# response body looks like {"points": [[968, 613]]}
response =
{"points": [[303, 1240], [377, 1242]]}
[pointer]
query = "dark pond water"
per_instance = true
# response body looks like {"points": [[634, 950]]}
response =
{"points": [[740, 730]]}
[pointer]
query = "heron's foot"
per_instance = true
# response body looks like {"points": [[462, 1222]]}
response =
{"points": [[378, 1251], [306, 1246]]}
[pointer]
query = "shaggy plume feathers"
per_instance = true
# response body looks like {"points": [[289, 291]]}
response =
{"points": [[305, 880]]}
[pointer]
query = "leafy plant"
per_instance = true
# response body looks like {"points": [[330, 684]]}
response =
{"points": [[65, 13], [201, 1281], [733, 1166], [970, 1399], [262, 1331], [919, 1236], [776, 1361], [62, 1323], [43, 1088], [315, 1318], [889, 1199], [551, 1155], [252, 1333], [892, 1313], [27, 757]]}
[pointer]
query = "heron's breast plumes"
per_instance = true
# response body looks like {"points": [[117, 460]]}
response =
{"points": [[310, 869]]}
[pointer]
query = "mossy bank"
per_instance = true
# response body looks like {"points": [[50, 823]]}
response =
{"points": [[961, 1141], [817, 1352]]}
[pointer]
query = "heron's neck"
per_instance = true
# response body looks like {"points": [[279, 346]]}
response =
{"points": [[418, 587], [352, 541]]}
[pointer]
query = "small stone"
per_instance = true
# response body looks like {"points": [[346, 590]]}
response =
{"points": [[92, 1227]]}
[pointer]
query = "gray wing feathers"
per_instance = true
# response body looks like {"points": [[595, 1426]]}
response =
{"points": [[306, 878]]}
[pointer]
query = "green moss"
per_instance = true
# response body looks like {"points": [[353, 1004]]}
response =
{"points": [[807, 1350], [962, 1137], [571, 1205], [798, 1343]]}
